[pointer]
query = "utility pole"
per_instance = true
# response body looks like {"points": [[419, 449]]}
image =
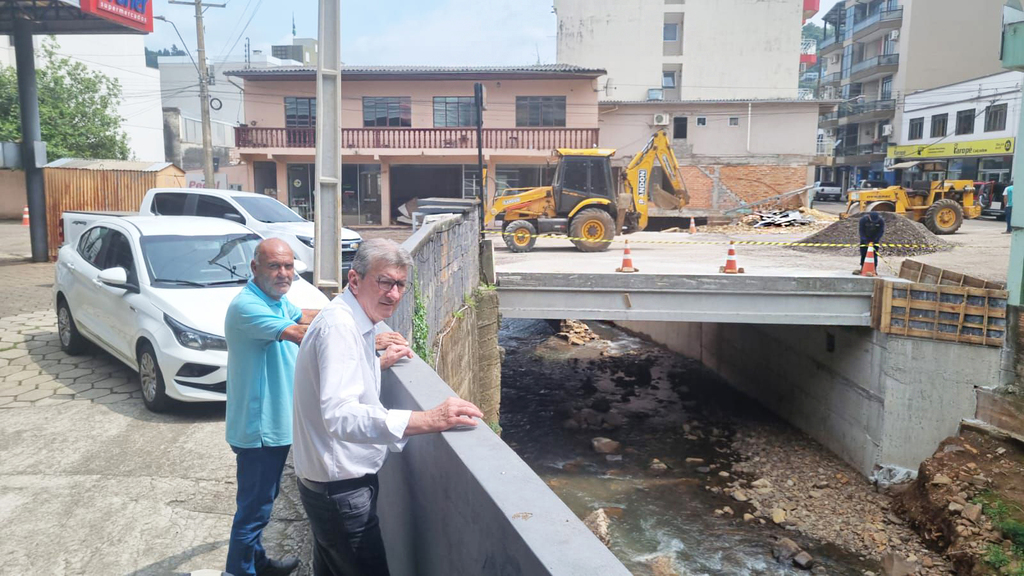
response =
{"points": [[204, 89], [478, 101]]}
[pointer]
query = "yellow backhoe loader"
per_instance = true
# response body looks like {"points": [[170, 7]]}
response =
{"points": [[581, 202], [940, 204]]}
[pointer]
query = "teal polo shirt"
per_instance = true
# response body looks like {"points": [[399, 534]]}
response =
{"points": [[1009, 196], [261, 369]]}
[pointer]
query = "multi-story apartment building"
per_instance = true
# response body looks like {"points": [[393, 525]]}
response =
{"points": [[686, 50], [972, 125], [409, 132], [878, 51], [305, 51], [720, 76]]}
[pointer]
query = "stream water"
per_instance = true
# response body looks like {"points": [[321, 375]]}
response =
{"points": [[556, 397]]}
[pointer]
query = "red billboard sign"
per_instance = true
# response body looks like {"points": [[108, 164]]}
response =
{"points": [[137, 14]]}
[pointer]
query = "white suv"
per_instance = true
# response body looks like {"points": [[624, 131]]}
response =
{"points": [[264, 214]]}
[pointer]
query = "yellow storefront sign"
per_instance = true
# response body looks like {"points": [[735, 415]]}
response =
{"points": [[994, 147]]}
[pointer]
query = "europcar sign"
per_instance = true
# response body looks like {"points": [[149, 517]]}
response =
{"points": [[136, 14]]}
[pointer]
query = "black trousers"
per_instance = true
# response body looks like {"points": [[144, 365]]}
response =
{"points": [[864, 250], [346, 531], [1009, 214]]}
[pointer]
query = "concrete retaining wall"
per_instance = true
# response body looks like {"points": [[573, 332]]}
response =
{"points": [[463, 502], [463, 323], [873, 399]]}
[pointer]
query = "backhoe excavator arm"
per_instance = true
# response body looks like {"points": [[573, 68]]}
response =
{"points": [[638, 183]]}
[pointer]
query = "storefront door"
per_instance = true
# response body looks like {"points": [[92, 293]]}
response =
{"points": [[300, 189]]}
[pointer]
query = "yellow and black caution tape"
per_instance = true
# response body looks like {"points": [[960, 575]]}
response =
{"points": [[728, 242]]}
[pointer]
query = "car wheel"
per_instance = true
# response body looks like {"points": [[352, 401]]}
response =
{"points": [[71, 341], [151, 380]]}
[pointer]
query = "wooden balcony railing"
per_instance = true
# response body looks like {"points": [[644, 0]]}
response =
{"points": [[420, 138]]}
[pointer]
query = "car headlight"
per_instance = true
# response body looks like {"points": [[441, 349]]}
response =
{"points": [[307, 240], [351, 246], [195, 339]]}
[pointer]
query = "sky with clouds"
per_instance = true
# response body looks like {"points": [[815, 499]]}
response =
{"points": [[438, 32]]}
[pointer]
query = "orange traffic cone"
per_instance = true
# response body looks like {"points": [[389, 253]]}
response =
{"points": [[730, 262], [693, 226], [24, 216], [627, 261], [868, 269]]}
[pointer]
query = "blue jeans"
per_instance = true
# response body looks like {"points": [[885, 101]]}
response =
{"points": [[346, 531], [259, 481]]}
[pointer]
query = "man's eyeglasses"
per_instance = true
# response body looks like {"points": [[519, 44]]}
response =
{"points": [[386, 284]]}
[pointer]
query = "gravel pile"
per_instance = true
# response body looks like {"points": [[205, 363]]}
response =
{"points": [[898, 230]]}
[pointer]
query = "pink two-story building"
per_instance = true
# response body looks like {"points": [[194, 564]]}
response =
{"points": [[410, 132]]}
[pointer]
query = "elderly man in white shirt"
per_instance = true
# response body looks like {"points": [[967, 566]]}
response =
{"points": [[342, 432]]}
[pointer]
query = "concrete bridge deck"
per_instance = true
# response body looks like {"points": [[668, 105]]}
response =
{"points": [[807, 299]]}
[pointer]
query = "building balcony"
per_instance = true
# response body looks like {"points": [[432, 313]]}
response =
{"points": [[544, 140], [877, 24], [866, 112], [811, 8], [832, 79], [874, 68], [861, 153], [830, 120], [830, 44]]}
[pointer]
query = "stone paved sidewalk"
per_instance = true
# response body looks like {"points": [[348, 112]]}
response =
{"points": [[35, 372]]}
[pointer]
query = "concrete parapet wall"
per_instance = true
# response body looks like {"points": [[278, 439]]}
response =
{"points": [[873, 399], [463, 502]]}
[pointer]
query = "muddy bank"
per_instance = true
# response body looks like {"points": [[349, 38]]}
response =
{"points": [[968, 502], [693, 478]]}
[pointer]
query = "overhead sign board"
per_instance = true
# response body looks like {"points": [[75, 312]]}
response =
{"points": [[136, 14], [993, 147]]}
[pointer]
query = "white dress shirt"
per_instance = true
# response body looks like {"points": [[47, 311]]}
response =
{"points": [[340, 428]]}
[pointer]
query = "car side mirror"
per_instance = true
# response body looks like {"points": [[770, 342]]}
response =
{"points": [[235, 218], [116, 277], [300, 267]]}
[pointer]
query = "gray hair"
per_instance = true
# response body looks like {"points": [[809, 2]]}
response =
{"points": [[376, 251]]}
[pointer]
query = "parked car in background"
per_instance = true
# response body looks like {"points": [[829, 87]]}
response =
{"points": [[263, 214], [872, 184], [826, 191], [154, 292]]}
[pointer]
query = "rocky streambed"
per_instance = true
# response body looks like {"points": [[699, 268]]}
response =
{"points": [[679, 474]]}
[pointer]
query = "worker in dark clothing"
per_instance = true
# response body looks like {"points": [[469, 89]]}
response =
{"points": [[872, 228]]}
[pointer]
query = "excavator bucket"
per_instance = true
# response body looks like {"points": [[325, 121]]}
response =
{"points": [[665, 200]]}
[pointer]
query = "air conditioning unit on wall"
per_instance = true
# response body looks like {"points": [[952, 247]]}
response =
{"points": [[887, 130], [833, 59], [662, 119], [894, 35]]}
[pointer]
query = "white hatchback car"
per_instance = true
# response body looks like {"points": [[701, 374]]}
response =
{"points": [[154, 291]]}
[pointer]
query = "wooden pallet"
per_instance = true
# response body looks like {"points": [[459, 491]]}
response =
{"points": [[924, 274], [938, 312]]}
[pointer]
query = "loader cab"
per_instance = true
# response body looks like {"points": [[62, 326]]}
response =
{"points": [[582, 176]]}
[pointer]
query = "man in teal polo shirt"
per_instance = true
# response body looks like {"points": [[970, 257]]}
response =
{"points": [[263, 330]]}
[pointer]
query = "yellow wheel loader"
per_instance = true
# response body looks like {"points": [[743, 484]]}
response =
{"points": [[941, 205], [581, 201]]}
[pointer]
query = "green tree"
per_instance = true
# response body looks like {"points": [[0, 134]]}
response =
{"points": [[812, 31], [77, 109]]}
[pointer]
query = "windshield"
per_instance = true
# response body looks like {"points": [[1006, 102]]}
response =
{"points": [[267, 209], [199, 260]]}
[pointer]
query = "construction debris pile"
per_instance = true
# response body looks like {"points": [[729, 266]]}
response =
{"points": [[773, 222], [576, 332], [777, 218], [898, 230]]}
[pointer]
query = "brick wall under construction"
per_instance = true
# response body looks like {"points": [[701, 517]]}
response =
{"points": [[714, 188]]}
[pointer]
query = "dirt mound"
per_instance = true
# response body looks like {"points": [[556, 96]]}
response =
{"points": [[966, 503], [898, 230]]}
